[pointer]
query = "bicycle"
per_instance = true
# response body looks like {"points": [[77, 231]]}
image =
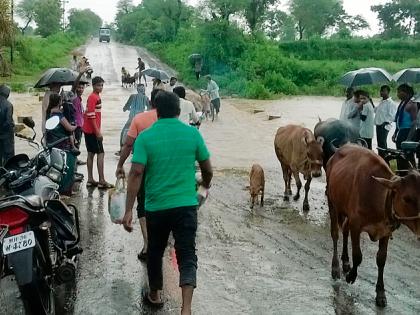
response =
{"points": [[406, 154]]}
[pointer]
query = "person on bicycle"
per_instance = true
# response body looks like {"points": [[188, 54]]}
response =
{"points": [[213, 90], [384, 116], [188, 114]]}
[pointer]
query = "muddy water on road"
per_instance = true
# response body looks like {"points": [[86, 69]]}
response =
{"points": [[273, 261]]}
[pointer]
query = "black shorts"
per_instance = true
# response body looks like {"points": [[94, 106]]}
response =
{"points": [[93, 145], [141, 199], [216, 104]]}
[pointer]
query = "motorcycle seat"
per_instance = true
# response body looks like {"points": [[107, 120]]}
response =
{"points": [[409, 145]]}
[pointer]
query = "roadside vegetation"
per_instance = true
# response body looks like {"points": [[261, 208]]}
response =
{"points": [[48, 45], [253, 49]]}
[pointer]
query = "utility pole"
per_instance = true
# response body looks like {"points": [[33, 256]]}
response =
{"points": [[13, 27], [64, 14]]}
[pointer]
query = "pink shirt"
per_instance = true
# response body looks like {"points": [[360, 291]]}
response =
{"points": [[78, 110], [141, 122]]}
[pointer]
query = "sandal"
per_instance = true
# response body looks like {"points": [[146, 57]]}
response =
{"points": [[105, 185], [147, 300], [92, 184]]}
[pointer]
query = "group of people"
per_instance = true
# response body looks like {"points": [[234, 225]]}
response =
{"points": [[360, 111]]}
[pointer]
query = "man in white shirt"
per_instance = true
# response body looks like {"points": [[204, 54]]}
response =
{"points": [[171, 85], [188, 113], [213, 90], [384, 116]]}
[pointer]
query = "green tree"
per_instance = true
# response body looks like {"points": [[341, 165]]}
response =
{"points": [[84, 22], [125, 6], [348, 24], [25, 10], [47, 16], [255, 11], [399, 18], [313, 18], [6, 28], [279, 25], [224, 9]]}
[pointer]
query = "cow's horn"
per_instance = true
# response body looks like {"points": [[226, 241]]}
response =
{"points": [[320, 140], [319, 119], [332, 146], [362, 142]]}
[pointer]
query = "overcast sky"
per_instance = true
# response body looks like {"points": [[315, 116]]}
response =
{"points": [[106, 9]]}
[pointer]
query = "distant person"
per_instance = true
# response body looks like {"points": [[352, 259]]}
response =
{"points": [[124, 75], [197, 68], [53, 88], [7, 126], [384, 117], [158, 85], [136, 103], [188, 114], [141, 67], [354, 115], [367, 118], [213, 90], [172, 84], [93, 135], [74, 64], [405, 120], [171, 197], [141, 122]]}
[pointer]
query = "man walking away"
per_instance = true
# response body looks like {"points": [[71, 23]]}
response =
{"points": [[136, 103], [141, 66], [93, 135], [7, 126], [197, 68], [188, 114], [213, 90], [139, 123], [171, 198], [384, 116]]}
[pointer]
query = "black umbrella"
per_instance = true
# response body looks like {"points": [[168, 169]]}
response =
{"points": [[365, 76], [410, 75], [194, 58], [62, 76]]}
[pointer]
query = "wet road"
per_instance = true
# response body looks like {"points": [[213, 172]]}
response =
{"points": [[276, 261]]}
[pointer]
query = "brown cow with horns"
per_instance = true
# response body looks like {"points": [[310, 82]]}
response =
{"points": [[365, 196], [298, 152]]}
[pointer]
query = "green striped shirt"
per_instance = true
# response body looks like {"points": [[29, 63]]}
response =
{"points": [[169, 149]]}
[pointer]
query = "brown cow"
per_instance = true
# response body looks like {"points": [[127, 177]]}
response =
{"points": [[365, 196], [298, 152], [256, 184]]}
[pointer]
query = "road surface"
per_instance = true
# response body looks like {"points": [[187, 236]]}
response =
{"points": [[275, 261]]}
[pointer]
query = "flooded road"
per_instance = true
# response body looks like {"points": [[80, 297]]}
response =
{"points": [[275, 261]]}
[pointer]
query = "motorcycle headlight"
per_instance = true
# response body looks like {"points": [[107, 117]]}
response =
{"points": [[54, 175]]}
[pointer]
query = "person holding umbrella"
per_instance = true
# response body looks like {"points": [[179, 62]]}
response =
{"points": [[141, 66], [384, 116]]}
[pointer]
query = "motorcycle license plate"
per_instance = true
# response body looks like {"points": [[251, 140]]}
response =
{"points": [[17, 243]]}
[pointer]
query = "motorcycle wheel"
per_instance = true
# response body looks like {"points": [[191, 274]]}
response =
{"points": [[38, 295]]}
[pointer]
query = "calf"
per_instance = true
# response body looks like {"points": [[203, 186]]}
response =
{"points": [[365, 196], [256, 184], [298, 152]]}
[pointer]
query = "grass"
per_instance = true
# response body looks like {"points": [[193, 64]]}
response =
{"points": [[33, 55]]}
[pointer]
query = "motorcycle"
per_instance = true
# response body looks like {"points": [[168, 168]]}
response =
{"points": [[39, 234]]}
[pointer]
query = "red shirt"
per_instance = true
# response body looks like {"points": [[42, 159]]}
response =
{"points": [[93, 111]]}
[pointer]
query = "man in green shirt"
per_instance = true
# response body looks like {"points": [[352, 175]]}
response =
{"points": [[169, 150]]}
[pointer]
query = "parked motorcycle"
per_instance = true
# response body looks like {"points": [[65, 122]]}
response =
{"points": [[39, 234]]}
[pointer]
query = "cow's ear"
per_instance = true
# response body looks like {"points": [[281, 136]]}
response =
{"points": [[392, 183], [306, 137]]}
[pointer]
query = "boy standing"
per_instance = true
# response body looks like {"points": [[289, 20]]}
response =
{"points": [[93, 135]]}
